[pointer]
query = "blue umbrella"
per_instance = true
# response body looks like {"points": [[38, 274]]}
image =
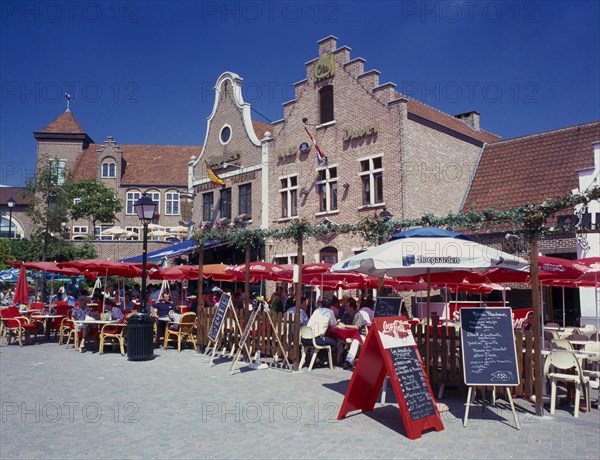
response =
{"points": [[9, 276]]}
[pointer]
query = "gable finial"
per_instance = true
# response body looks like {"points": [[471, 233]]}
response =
{"points": [[68, 97]]}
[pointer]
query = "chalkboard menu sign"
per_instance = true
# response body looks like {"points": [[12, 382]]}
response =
{"points": [[388, 306], [488, 346], [251, 320], [413, 382], [217, 321]]}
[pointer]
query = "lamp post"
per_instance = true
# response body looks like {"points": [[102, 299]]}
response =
{"points": [[11, 204], [144, 208]]}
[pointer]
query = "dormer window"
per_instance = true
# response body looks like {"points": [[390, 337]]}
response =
{"points": [[326, 104], [109, 170]]}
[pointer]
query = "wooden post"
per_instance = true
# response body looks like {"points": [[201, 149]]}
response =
{"points": [[296, 348], [537, 343], [199, 298], [247, 278], [427, 335]]}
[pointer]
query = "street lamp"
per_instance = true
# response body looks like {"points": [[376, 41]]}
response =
{"points": [[11, 204], [144, 208]]}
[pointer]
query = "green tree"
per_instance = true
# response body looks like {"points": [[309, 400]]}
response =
{"points": [[5, 254], [59, 249], [93, 201], [49, 201]]}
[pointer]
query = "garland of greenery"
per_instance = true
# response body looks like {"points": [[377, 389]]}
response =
{"points": [[529, 218]]}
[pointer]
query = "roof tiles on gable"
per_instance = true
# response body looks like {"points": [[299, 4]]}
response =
{"points": [[159, 165], [64, 123], [448, 121], [260, 128], [527, 170]]}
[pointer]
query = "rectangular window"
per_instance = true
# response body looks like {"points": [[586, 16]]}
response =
{"points": [[57, 167], [226, 203], [132, 198], [134, 230], [289, 196], [172, 203], [207, 207], [156, 198], [245, 199], [80, 230], [98, 233], [371, 177], [109, 170], [327, 189]]}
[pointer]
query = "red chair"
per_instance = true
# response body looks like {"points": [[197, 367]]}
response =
{"points": [[37, 306], [13, 323], [56, 323]]}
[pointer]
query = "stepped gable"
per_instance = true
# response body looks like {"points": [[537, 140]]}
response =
{"points": [[529, 169]]}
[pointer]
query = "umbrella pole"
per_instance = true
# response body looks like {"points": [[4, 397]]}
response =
{"points": [[537, 327], [564, 307], [427, 326], [596, 299]]}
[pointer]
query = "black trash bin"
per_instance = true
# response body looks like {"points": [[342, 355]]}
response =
{"points": [[140, 346]]}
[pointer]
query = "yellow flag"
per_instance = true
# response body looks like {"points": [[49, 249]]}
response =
{"points": [[213, 176]]}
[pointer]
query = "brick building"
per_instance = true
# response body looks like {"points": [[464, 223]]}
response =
{"points": [[130, 170], [384, 151]]}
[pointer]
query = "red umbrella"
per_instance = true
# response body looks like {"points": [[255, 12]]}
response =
{"points": [[51, 267], [21, 288], [175, 273], [549, 268], [258, 270], [108, 267]]}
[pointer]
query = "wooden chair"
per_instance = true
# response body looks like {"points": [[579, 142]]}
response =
{"points": [[307, 334], [183, 330], [564, 360], [66, 326], [13, 323], [114, 332]]}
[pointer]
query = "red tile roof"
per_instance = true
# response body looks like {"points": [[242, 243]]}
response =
{"points": [[64, 123], [260, 128], [144, 164], [529, 169], [16, 193], [448, 121]]}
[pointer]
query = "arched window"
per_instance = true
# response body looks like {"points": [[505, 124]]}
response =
{"points": [[109, 170], [326, 104], [328, 255], [11, 228]]}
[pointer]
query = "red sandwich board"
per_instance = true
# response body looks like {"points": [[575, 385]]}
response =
{"points": [[390, 350]]}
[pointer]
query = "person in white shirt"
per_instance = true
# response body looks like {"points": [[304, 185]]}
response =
{"points": [[303, 316], [322, 319], [115, 312]]}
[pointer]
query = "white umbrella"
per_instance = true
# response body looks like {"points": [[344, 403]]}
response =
{"points": [[408, 255], [428, 250], [160, 233], [114, 231], [155, 227], [179, 229]]}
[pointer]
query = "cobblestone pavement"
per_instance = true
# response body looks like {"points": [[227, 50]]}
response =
{"points": [[59, 403]]}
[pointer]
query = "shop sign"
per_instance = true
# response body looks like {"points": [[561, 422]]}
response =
{"points": [[325, 67], [364, 131]]}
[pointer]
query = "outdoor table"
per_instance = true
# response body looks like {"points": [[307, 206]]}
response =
{"points": [[579, 343], [47, 320], [93, 323]]}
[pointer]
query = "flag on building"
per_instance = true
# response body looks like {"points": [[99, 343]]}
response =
{"points": [[214, 178], [321, 157]]}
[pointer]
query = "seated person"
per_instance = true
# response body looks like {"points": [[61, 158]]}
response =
{"points": [[111, 307], [175, 315], [528, 322], [358, 322], [322, 319], [303, 316], [127, 304], [164, 305], [79, 313]]}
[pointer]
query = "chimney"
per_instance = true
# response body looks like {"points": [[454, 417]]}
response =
{"points": [[471, 119]]}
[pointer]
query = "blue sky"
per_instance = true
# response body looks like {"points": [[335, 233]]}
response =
{"points": [[143, 72]]}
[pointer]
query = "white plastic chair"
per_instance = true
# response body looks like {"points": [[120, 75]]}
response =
{"points": [[594, 362], [563, 360], [306, 333]]}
